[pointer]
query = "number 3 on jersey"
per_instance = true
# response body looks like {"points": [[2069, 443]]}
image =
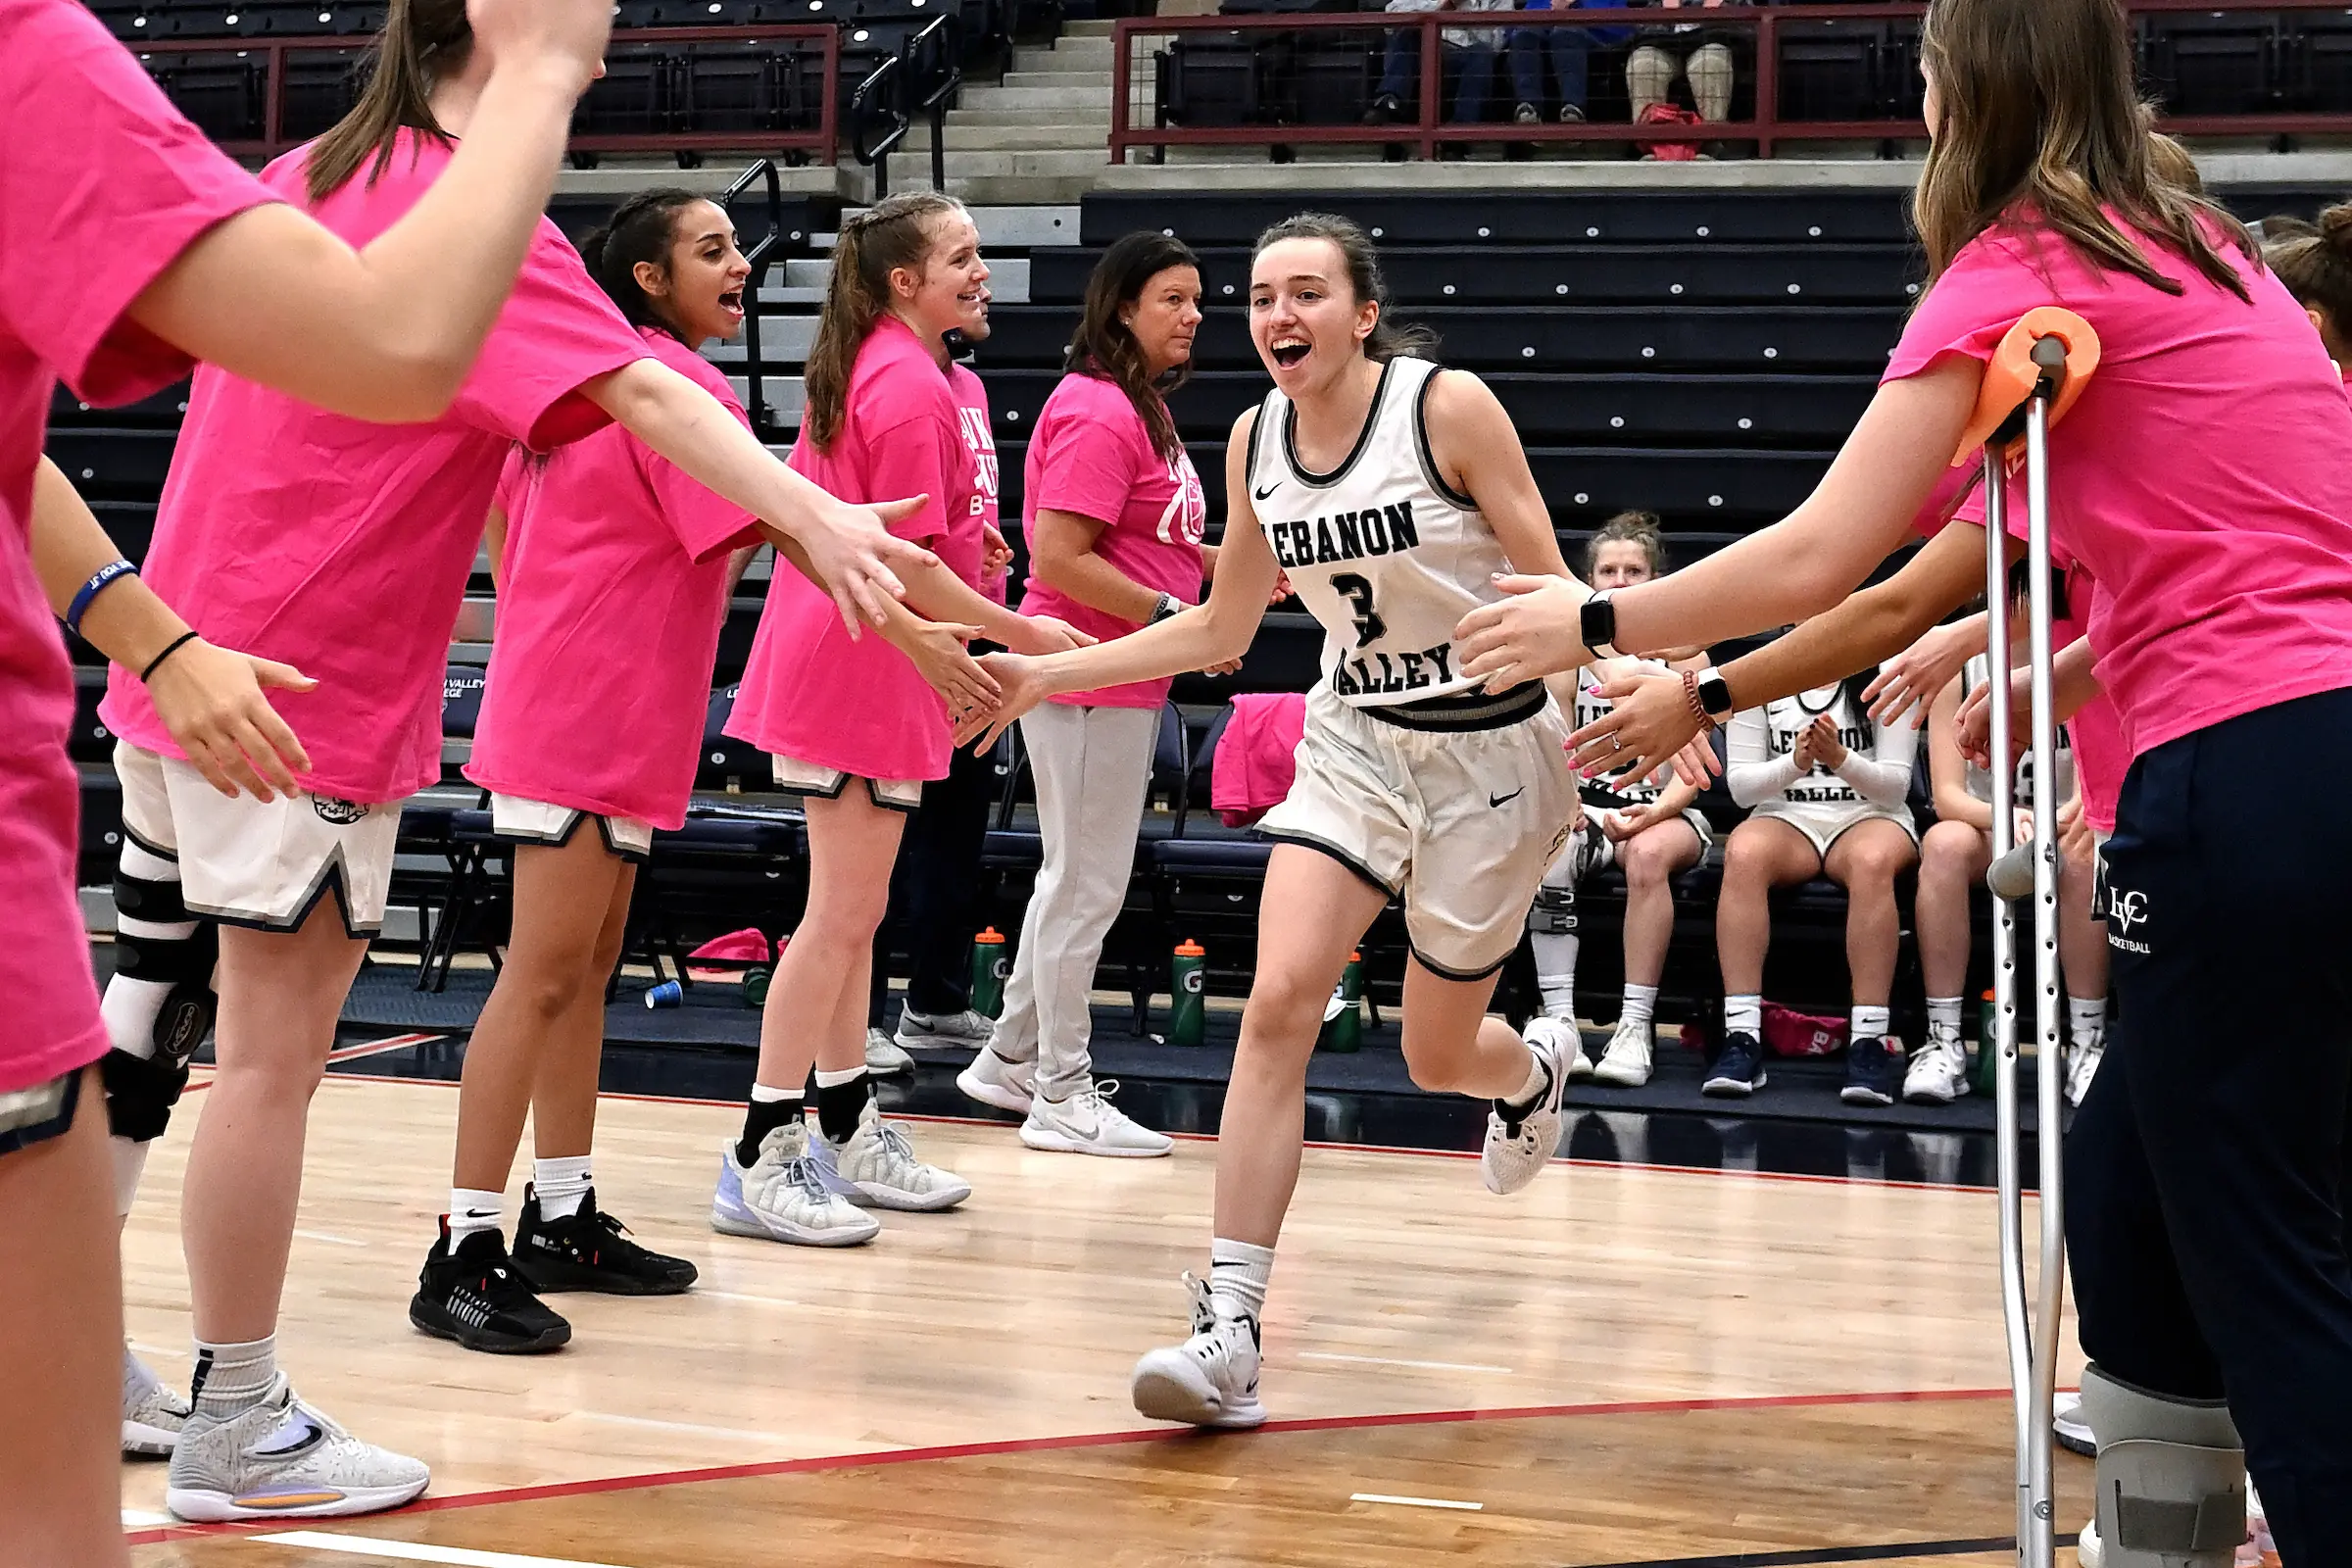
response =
{"points": [[1369, 627]]}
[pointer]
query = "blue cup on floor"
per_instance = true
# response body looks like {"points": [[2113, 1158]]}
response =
{"points": [[669, 994]]}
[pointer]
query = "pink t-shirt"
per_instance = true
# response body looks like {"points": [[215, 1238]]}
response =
{"points": [[342, 548], [2202, 477], [971, 407], [2102, 752], [615, 583], [1091, 455], [102, 186], [808, 692]]}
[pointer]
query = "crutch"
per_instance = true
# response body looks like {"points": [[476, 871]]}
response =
{"points": [[2032, 379]]}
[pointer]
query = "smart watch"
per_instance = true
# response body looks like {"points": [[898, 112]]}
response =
{"points": [[1715, 694], [1169, 605], [1600, 625]]}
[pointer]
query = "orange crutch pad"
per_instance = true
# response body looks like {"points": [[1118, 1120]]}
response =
{"points": [[2012, 373]]}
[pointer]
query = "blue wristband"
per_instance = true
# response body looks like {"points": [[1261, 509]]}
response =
{"points": [[90, 590]]}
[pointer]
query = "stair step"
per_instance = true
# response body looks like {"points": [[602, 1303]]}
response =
{"points": [[969, 165], [1080, 96], [987, 139], [1088, 30], [1091, 80], [1070, 54], [1094, 125]]}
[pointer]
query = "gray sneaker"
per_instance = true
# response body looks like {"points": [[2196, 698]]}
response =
{"points": [[152, 1414], [283, 1459], [883, 1056], [949, 1031]]}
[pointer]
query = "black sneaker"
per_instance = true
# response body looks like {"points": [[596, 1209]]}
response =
{"points": [[590, 1251], [1738, 1070], [1386, 109], [1874, 1072], [471, 1293]]}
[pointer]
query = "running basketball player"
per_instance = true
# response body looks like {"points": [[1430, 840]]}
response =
{"points": [[590, 724], [284, 527], [1392, 493], [2200, 481], [173, 254], [1650, 826], [853, 726]]}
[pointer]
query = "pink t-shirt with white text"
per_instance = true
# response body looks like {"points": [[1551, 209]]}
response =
{"points": [[2201, 478], [342, 548], [971, 407], [1091, 455], [102, 186], [811, 692], [614, 586]]}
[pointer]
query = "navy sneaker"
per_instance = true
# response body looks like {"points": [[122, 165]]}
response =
{"points": [[1874, 1072], [1738, 1070]]}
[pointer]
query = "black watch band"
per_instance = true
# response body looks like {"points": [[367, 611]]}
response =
{"points": [[1167, 608], [1599, 626], [1715, 694]]}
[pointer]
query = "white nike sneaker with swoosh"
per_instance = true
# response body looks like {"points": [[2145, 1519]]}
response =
{"points": [[284, 1459]]}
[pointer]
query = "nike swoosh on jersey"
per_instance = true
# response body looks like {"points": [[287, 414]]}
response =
{"points": [[1268, 491], [1505, 799]]}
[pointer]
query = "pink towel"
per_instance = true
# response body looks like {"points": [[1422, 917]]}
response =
{"points": [[1257, 755]]}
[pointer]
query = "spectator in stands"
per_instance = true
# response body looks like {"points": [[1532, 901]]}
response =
{"points": [[1115, 513], [1651, 827], [1570, 50], [1828, 789], [854, 728], [2314, 262], [1469, 52], [1684, 49]]}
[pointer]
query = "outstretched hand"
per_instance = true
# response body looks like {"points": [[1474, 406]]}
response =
{"points": [[854, 550], [1649, 725], [948, 667], [1912, 680], [1019, 687], [1534, 631], [211, 702]]}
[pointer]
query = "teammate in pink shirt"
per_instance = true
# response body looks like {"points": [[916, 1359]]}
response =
{"points": [[854, 727], [2200, 481], [175, 254], [284, 527]]}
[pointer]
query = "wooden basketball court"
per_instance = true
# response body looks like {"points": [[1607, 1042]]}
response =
{"points": [[1623, 1366]]}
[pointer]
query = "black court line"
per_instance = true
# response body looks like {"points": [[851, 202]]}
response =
{"points": [[1832, 1554]]}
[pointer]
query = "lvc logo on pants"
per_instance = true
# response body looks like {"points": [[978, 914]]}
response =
{"points": [[340, 812]]}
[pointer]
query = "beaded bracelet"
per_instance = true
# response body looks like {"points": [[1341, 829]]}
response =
{"points": [[1698, 709]]}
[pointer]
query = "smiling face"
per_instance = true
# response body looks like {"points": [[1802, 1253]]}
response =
{"points": [[1308, 325], [1164, 317], [700, 291], [950, 294]]}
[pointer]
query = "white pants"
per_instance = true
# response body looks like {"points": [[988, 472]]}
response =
{"points": [[1093, 767]]}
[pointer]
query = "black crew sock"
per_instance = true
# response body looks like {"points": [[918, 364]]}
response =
{"points": [[838, 1105], [759, 1118]]}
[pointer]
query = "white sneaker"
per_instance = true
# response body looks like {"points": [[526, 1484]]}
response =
{"points": [[1627, 1061], [992, 1081], [152, 1414], [883, 1055], [1210, 1380], [283, 1459], [1939, 1071], [955, 1031], [1570, 1041], [1516, 1151], [877, 1168], [1088, 1123], [2070, 1429], [2082, 1066], [2088, 1552], [781, 1197]]}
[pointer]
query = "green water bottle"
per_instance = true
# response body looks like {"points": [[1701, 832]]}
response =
{"points": [[1989, 1050], [756, 981], [1185, 972], [989, 970], [1344, 1014]]}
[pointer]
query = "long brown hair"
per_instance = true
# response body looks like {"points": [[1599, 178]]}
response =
{"points": [[1105, 346], [2044, 126], [2314, 262], [421, 39], [1389, 341], [894, 233], [642, 229]]}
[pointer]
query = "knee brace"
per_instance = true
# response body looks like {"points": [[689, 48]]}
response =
{"points": [[157, 1020], [1553, 912], [2171, 1477]]}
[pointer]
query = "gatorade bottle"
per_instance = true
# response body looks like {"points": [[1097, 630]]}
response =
{"points": [[1185, 972], [1344, 1014], [1989, 1050], [989, 970], [758, 978]]}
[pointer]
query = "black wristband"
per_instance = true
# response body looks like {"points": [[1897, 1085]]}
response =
{"points": [[1597, 624], [1715, 694], [170, 647]]}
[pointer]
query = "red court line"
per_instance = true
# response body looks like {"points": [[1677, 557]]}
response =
{"points": [[1095, 1440], [370, 1048], [1352, 1148]]}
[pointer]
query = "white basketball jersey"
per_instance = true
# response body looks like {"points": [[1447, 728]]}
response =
{"points": [[1383, 552], [1978, 783], [1786, 719], [1591, 709]]}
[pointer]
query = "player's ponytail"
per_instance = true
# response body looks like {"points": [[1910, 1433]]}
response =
{"points": [[420, 40], [2314, 262], [1389, 340], [1105, 347], [894, 233], [641, 229]]}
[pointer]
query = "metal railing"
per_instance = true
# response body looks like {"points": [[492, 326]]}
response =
{"points": [[1767, 30], [763, 258], [276, 56], [920, 81]]}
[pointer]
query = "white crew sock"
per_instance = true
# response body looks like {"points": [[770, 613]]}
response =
{"points": [[1539, 1082], [231, 1378], [1237, 1275], [473, 1209], [2088, 1017], [1943, 1018], [560, 1183], [1868, 1023], [1744, 1014], [1640, 1007], [1555, 970]]}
